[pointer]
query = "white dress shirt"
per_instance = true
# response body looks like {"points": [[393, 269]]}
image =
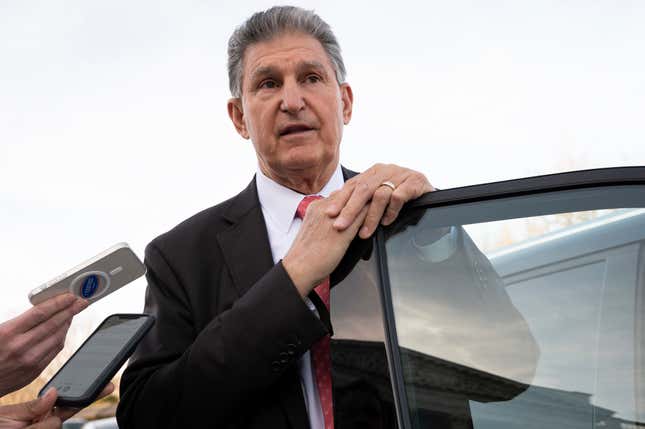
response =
{"points": [[279, 205]]}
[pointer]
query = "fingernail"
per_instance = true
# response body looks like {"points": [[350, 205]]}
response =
{"points": [[68, 299], [82, 304], [365, 232], [339, 223]]}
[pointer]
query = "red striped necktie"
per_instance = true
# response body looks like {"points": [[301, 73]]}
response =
{"points": [[320, 356]]}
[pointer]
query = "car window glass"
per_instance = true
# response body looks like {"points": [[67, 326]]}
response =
{"points": [[522, 312], [362, 387]]}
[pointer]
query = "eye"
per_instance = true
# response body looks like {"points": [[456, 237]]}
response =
{"points": [[268, 84], [313, 78]]}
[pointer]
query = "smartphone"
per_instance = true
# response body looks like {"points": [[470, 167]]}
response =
{"points": [[92, 366], [94, 278]]}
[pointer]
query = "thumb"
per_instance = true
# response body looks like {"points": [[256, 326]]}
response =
{"points": [[32, 410]]}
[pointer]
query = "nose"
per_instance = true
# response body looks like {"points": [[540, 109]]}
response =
{"points": [[292, 98]]}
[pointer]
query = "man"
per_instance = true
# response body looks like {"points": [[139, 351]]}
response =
{"points": [[240, 335], [29, 343]]}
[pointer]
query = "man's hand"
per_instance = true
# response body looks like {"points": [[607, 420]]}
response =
{"points": [[31, 340], [40, 413], [384, 202], [33, 414], [318, 247]]}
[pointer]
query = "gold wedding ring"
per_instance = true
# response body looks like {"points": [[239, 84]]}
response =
{"points": [[389, 184]]}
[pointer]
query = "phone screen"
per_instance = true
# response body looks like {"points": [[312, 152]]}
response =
{"points": [[96, 354]]}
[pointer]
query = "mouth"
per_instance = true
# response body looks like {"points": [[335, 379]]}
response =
{"points": [[294, 129]]}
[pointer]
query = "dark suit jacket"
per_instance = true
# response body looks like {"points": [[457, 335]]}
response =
{"points": [[230, 328]]}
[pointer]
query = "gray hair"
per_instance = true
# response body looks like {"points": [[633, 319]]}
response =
{"points": [[263, 26]]}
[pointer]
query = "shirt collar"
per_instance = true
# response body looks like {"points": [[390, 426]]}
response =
{"points": [[280, 203]]}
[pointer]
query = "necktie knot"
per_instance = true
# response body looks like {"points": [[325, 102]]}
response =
{"points": [[304, 204]]}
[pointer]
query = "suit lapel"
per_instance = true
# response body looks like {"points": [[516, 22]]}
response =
{"points": [[347, 173], [245, 245]]}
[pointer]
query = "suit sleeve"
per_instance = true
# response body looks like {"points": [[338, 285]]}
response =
{"points": [[179, 375]]}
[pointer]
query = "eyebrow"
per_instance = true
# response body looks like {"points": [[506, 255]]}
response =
{"points": [[300, 68], [263, 71], [309, 65]]}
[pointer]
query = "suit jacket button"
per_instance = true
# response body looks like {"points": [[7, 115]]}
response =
{"points": [[275, 365]]}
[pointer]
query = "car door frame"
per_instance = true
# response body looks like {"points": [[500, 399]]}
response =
{"points": [[595, 178]]}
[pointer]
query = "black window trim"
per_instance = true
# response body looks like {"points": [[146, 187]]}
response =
{"points": [[614, 176], [601, 177], [392, 352]]}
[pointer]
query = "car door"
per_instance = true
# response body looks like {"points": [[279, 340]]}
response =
{"points": [[516, 304]]}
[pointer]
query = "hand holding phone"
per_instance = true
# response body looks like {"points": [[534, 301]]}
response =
{"points": [[82, 378], [40, 413], [40, 410]]}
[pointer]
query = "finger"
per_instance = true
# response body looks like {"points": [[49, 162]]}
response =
{"points": [[106, 391], [360, 218], [80, 305], [363, 188], [46, 360], [38, 346], [32, 410], [42, 312], [397, 200], [51, 422], [337, 199], [360, 196], [375, 211], [58, 322], [41, 353], [412, 187]]}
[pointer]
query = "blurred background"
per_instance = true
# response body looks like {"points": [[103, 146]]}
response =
{"points": [[113, 123]]}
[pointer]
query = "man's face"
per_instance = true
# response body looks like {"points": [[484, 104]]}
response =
{"points": [[292, 108]]}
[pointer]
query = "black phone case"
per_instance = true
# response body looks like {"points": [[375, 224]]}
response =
{"points": [[104, 378]]}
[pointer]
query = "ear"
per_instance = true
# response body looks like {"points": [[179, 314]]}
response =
{"points": [[347, 98], [236, 113]]}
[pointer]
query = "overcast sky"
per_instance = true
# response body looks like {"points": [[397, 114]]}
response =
{"points": [[113, 123]]}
